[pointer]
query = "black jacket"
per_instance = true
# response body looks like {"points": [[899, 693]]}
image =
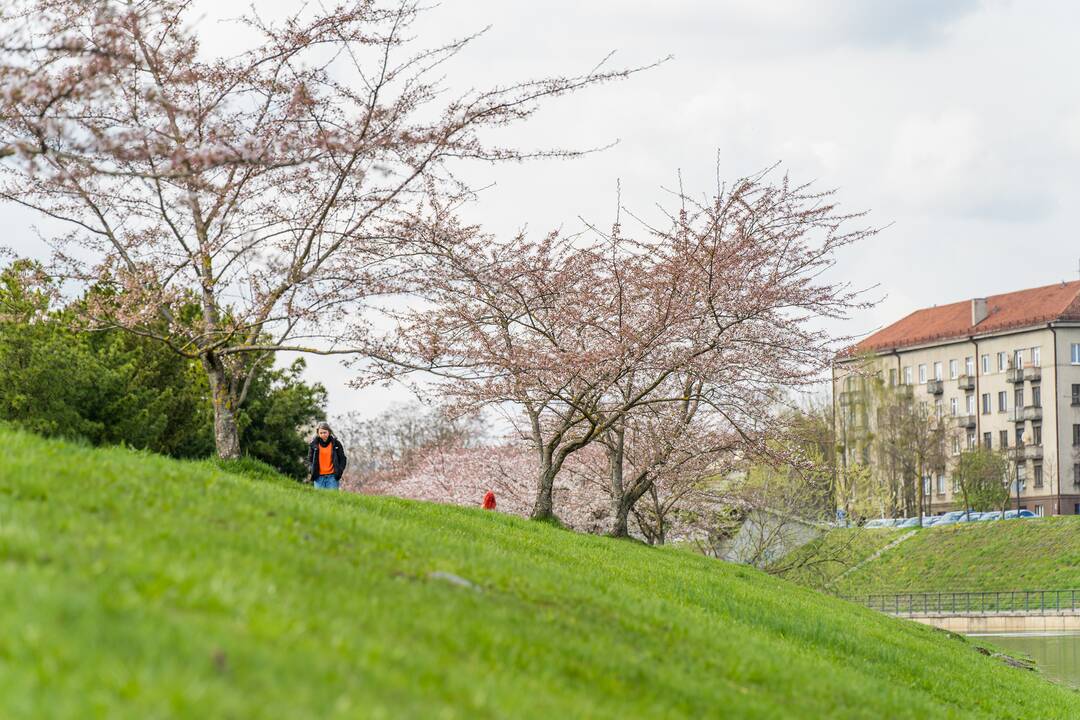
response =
{"points": [[338, 456]]}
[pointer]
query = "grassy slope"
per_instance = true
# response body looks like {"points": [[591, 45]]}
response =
{"points": [[1003, 555], [821, 562], [135, 586]]}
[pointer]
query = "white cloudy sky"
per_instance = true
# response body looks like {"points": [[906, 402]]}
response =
{"points": [[954, 122]]}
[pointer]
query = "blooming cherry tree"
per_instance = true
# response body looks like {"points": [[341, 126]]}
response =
{"points": [[239, 205], [717, 310]]}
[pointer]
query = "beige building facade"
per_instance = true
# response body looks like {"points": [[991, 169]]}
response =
{"points": [[1001, 372]]}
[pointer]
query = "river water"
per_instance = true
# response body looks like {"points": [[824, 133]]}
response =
{"points": [[1057, 654]]}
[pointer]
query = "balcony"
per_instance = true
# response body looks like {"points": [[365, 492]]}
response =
{"points": [[1033, 374], [966, 382], [965, 421], [1028, 412], [1014, 375], [935, 387], [1026, 452]]}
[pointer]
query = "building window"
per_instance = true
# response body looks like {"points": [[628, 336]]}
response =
{"points": [[1076, 394], [986, 403], [969, 365], [892, 377], [971, 404], [1020, 436], [926, 484], [1036, 396], [939, 408], [1037, 474], [907, 375], [1021, 477], [1003, 439], [1076, 473], [1018, 398], [988, 438], [940, 484], [937, 371], [1038, 511], [971, 440], [1036, 434], [1036, 356], [954, 369], [922, 373], [953, 406], [956, 446], [985, 364], [1018, 359], [1003, 363], [1003, 401], [1074, 353], [1076, 434]]}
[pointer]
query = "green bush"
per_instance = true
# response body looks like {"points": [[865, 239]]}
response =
{"points": [[116, 388]]}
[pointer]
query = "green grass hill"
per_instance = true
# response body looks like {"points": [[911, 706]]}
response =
{"points": [[1035, 554], [133, 586]]}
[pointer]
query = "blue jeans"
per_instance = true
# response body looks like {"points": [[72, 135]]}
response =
{"points": [[326, 482]]}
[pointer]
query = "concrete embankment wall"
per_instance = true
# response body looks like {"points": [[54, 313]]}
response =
{"points": [[1001, 622]]}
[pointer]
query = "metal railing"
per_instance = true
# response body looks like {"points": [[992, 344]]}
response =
{"points": [[964, 603]]}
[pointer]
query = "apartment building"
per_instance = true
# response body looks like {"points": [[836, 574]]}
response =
{"points": [[1002, 371]]}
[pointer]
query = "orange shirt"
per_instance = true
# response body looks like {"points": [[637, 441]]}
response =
{"points": [[326, 459]]}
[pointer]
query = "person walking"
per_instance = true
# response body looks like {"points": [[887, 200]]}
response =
{"points": [[326, 458]]}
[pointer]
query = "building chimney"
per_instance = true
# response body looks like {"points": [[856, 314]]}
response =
{"points": [[979, 310]]}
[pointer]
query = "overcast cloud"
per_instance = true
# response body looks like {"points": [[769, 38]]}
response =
{"points": [[954, 122]]}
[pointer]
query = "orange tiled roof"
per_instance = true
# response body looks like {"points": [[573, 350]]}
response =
{"points": [[1022, 308]]}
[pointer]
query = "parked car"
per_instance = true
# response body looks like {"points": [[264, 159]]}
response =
{"points": [[991, 515], [950, 517], [879, 523], [1024, 514], [971, 517], [928, 521]]}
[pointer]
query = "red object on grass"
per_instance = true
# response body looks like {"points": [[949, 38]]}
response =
{"points": [[489, 500]]}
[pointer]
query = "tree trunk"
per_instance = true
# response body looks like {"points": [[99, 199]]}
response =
{"points": [[620, 519], [543, 509], [226, 430], [620, 503], [922, 492]]}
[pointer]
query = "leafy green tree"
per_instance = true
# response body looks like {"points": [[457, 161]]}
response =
{"points": [[112, 387], [981, 475]]}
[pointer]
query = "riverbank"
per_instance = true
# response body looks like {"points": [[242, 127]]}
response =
{"points": [[1056, 654]]}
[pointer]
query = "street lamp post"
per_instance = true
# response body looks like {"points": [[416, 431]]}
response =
{"points": [[1020, 459]]}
